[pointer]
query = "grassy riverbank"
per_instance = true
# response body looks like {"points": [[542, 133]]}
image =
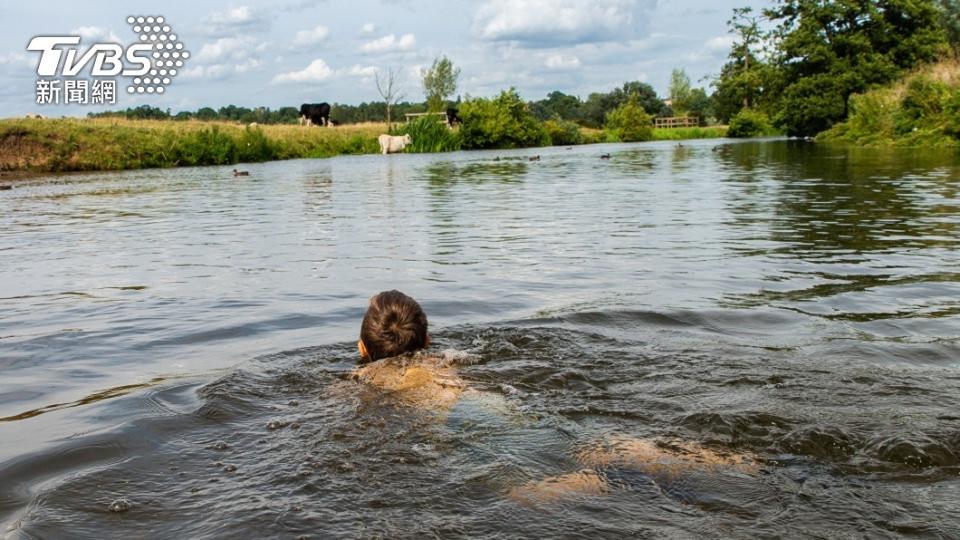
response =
{"points": [[92, 144], [922, 109], [117, 144]]}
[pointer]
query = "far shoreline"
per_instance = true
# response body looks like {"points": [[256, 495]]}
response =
{"points": [[42, 146]]}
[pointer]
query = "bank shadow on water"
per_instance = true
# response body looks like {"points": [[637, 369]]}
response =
{"points": [[288, 444]]}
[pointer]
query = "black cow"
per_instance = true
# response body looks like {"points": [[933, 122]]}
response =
{"points": [[452, 118], [317, 114]]}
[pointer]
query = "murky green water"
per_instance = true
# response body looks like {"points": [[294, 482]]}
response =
{"points": [[180, 339]]}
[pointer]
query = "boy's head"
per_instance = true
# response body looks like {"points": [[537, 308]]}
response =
{"points": [[393, 325]]}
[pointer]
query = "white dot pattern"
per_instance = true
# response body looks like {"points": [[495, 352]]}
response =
{"points": [[152, 29]]}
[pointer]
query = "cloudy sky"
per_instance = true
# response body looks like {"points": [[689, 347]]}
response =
{"points": [[253, 52]]}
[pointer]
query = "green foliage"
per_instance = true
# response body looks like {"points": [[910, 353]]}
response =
{"points": [[563, 132], [871, 116], [700, 105], [749, 123], [429, 134], [950, 19], [680, 92], [744, 79], [682, 134], [206, 113], [952, 110], [630, 122], [558, 105], [827, 51], [439, 83], [922, 110], [209, 146], [599, 105], [812, 104], [925, 98], [254, 146], [502, 122]]}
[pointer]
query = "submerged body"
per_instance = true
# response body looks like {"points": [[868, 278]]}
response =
{"points": [[431, 383], [393, 343]]}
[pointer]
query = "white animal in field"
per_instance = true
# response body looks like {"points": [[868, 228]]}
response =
{"points": [[252, 125], [391, 144]]}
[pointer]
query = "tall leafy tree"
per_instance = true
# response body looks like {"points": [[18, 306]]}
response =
{"points": [[747, 75], [440, 82], [558, 105], [827, 50], [598, 104], [680, 92], [951, 22], [700, 105]]}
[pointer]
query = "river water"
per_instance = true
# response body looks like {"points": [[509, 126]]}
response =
{"points": [[179, 340]]}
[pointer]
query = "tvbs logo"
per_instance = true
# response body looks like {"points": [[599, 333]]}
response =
{"points": [[151, 63], [107, 57]]}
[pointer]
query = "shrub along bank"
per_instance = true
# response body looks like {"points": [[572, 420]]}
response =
{"points": [[922, 109]]}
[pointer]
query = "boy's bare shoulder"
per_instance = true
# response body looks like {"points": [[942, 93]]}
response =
{"points": [[428, 380]]}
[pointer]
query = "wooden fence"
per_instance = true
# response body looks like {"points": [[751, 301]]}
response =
{"points": [[676, 122], [411, 116]]}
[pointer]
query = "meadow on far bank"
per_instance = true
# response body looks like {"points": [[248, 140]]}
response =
{"points": [[94, 144]]}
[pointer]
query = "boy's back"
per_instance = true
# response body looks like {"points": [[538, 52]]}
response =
{"points": [[417, 379]]}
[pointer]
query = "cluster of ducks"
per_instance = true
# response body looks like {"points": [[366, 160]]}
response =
{"points": [[537, 157], [531, 158]]}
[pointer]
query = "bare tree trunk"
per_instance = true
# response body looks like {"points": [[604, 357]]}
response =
{"points": [[388, 86], [746, 62]]}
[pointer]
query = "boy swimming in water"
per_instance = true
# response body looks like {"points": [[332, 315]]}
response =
{"points": [[393, 340]]}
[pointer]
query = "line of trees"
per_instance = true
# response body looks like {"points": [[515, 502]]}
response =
{"points": [[440, 82], [343, 114]]}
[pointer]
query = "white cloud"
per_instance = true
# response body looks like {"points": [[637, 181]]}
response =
{"points": [[311, 37], [547, 22], [361, 71], [94, 34], [389, 43], [221, 49], [368, 28], [559, 61], [249, 65], [719, 43], [317, 71], [236, 20], [225, 57], [237, 15]]}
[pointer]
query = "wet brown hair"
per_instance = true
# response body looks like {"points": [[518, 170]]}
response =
{"points": [[393, 325]]}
